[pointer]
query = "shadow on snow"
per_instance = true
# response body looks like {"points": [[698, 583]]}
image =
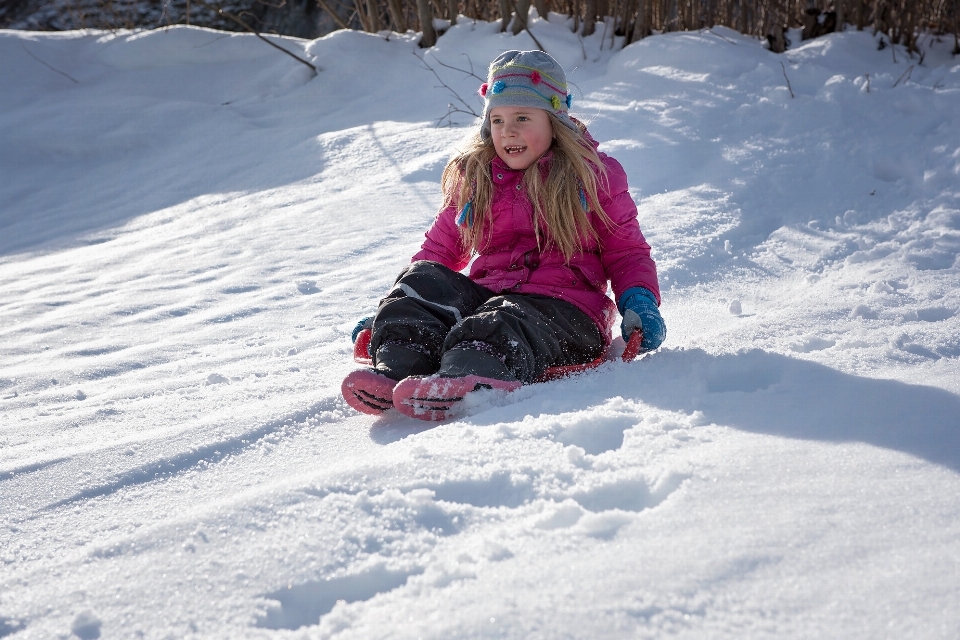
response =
{"points": [[769, 393]]}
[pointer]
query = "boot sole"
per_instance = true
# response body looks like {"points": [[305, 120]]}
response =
{"points": [[368, 392]]}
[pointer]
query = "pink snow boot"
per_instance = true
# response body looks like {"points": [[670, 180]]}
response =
{"points": [[368, 391], [462, 371], [438, 398]]}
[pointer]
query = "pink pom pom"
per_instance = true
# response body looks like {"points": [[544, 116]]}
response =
{"points": [[535, 77], [483, 90]]}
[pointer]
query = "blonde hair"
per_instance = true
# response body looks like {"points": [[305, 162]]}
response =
{"points": [[560, 216]]}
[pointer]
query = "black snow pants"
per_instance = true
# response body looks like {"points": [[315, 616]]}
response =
{"points": [[436, 320]]}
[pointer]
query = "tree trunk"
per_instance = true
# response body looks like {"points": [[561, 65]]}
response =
{"points": [[425, 9], [590, 18], [373, 11], [879, 17], [627, 20], [361, 15], [575, 15], [773, 29], [542, 9], [520, 19], [504, 15], [603, 9], [642, 28], [397, 16], [709, 14], [453, 8], [909, 32]]}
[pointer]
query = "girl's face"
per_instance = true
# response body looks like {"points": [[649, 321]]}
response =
{"points": [[520, 134]]}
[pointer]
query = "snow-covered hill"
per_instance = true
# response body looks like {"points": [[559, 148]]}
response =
{"points": [[191, 224]]}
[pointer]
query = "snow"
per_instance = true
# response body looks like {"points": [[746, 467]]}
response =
{"points": [[191, 224]]}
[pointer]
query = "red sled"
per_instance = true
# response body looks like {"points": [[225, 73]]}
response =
{"points": [[631, 349]]}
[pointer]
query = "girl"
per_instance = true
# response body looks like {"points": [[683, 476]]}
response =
{"points": [[550, 222]]}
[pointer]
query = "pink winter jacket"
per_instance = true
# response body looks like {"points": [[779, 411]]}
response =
{"points": [[510, 262]]}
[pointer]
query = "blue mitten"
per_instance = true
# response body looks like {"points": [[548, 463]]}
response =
{"points": [[638, 306], [366, 323]]}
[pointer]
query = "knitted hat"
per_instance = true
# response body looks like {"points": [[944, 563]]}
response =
{"points": [[525, 79]]}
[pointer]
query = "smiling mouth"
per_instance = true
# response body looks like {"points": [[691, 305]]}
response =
{"points": [[514, 150]]}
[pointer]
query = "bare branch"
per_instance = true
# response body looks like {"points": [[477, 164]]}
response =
{"points": [[711, 32], [523, 21], [907, 73], [451, 107], [65, 75], [333, 14], [238, 20], [468, 73], [789, 88]]}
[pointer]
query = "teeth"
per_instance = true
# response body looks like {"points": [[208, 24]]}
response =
{"points": [[514, 149]]}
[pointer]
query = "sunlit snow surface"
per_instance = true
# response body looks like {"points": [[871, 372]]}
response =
{"points": [[191, 224]]}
